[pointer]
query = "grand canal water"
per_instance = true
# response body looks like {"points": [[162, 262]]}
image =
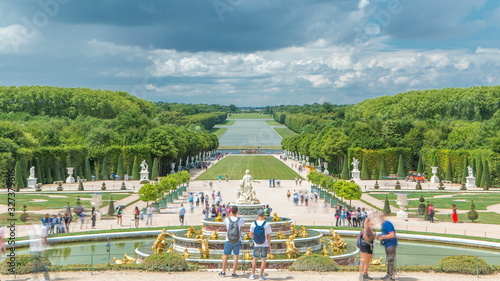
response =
{"points": [[250, 132]]}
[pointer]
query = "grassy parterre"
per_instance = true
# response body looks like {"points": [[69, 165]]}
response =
{"points": [[261, 168], [218, 131], [285, 132], [274, 123], [226, 123]]}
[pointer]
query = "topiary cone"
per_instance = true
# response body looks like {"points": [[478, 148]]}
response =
{"points": [[387, 207]]}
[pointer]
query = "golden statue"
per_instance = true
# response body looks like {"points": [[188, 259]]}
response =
{"points": [[377, 261], [291, 250], [219, 217], [321, 240], [186, 254], [126, 259], [294, 230], [280, 235], [199, 234], [204, 250], [170, 249], [161, 242], [214, 236], [247, 255], [270, 256], [246, 236], [325, 251], [336, 243], [303, 232], [190, 232], [276, 218], [308, 252]]}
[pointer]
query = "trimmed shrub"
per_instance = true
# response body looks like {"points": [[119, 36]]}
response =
{"points": [[472, 214], [165, 262], [314, 262], [25, 264], [387, 206], [418, 186], [464, 265]]}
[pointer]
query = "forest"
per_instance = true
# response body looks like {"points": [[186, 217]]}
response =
{"points": [[98, 132], [449, 128]]}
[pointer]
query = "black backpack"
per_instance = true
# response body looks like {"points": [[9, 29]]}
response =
{"points": [[233, 232]]}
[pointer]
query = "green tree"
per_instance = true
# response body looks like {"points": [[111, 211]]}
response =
{"points": [[155, 170], [382, 175], [401, 169], [479, 172], [148, 192], [449, 171], [365, 174], [18, 175], [420, 165], [136, 169], [119, 168], [104, 170], [57, 171], [49, 175], [465, 171], [345, 169], [87, 171], [38, 169], [111, 207], [485, 179], [387, 206], [351, 191]]}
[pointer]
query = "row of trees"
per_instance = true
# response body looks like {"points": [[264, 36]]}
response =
{"points": [[436, 128], [348, 190], [157, 190]]}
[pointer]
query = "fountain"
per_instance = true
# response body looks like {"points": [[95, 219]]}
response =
{"points": [[206, 244]]}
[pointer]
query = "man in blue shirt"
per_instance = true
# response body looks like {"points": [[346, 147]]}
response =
{"points": [[390, 241]]}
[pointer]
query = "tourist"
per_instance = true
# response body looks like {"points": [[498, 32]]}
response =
{"points": [[338, 213], [296, 180], [348, 217], [213, 212], [202, 198], [278, 182], [300, 181], [191, 207], [288, 195], [119, 216], [81, 218], [389, 239], [260, 231], [93, 217], [234, 224], [137, 215], [46, 221], [364, 214], [354, 215], [301, 196], [67, 220], [267, 211], [454, 215], [227, 178], [342, 216], [197, 200], [38, 244], [149, 215], [295, 198], [270, 182], [431, 212], [365, 244], [182, 213], [306, 199], [206, 211]]}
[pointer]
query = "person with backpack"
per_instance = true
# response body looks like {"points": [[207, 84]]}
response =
{"points": [[267, 211], [234, 224], [365, 244], [389, 239], [260, 231]]}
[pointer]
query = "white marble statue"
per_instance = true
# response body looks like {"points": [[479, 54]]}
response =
{"points": [[32, 172], [144, 166], [247, 195], [471, 173], [355, 163]]}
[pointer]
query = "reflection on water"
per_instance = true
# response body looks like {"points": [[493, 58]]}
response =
{"points": [[408, 253]]}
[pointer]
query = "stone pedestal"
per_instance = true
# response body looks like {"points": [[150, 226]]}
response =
{"points": [[402, 201], [471, 182], [356, 175], [144, 175], [32, 182], [70, 178], [434, 179], [248, 212]]}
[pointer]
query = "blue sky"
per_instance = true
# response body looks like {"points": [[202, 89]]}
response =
{"points": [[251, 52]]}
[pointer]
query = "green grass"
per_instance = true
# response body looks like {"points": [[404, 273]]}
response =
{"points": [[274, 123], [481, 201], [249, 147], [484, 217], [226, 123], [249, 116], [285, 132], [60, 202], [261, 168], [218, 131]]}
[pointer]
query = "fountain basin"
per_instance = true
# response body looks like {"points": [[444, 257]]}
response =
{"points": [[284, 225]]}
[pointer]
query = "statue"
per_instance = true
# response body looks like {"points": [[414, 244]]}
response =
{"points": [[218, 218], [270, 256], [144, 166], [190, 232], [247, 195], [186, 254], [199, 234], [247, 255], [214, 236], [325, 251], [303, 232], [275, 217], [355, 163], [280, 235], [204, 250], [308, 252], [471, 173], [161, 242], [376, 261], [126, 259], [32, 172], [291, 250], [170, 249]]}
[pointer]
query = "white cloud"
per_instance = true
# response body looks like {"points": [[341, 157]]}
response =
{"points": [[363, 3], [14, 37]]}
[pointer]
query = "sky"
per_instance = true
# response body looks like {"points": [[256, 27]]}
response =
{"points": [[251, 52]]}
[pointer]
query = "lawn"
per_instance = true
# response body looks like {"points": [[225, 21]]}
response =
{"points": [[285, 132], [60, 202], [226, 123], [249, 116], [261, 168], [461, 200], [274, 123], [249, 147], [218, 131], [484, 217]]}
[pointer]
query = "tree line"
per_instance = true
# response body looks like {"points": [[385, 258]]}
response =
{"points": [[445, 128]]}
